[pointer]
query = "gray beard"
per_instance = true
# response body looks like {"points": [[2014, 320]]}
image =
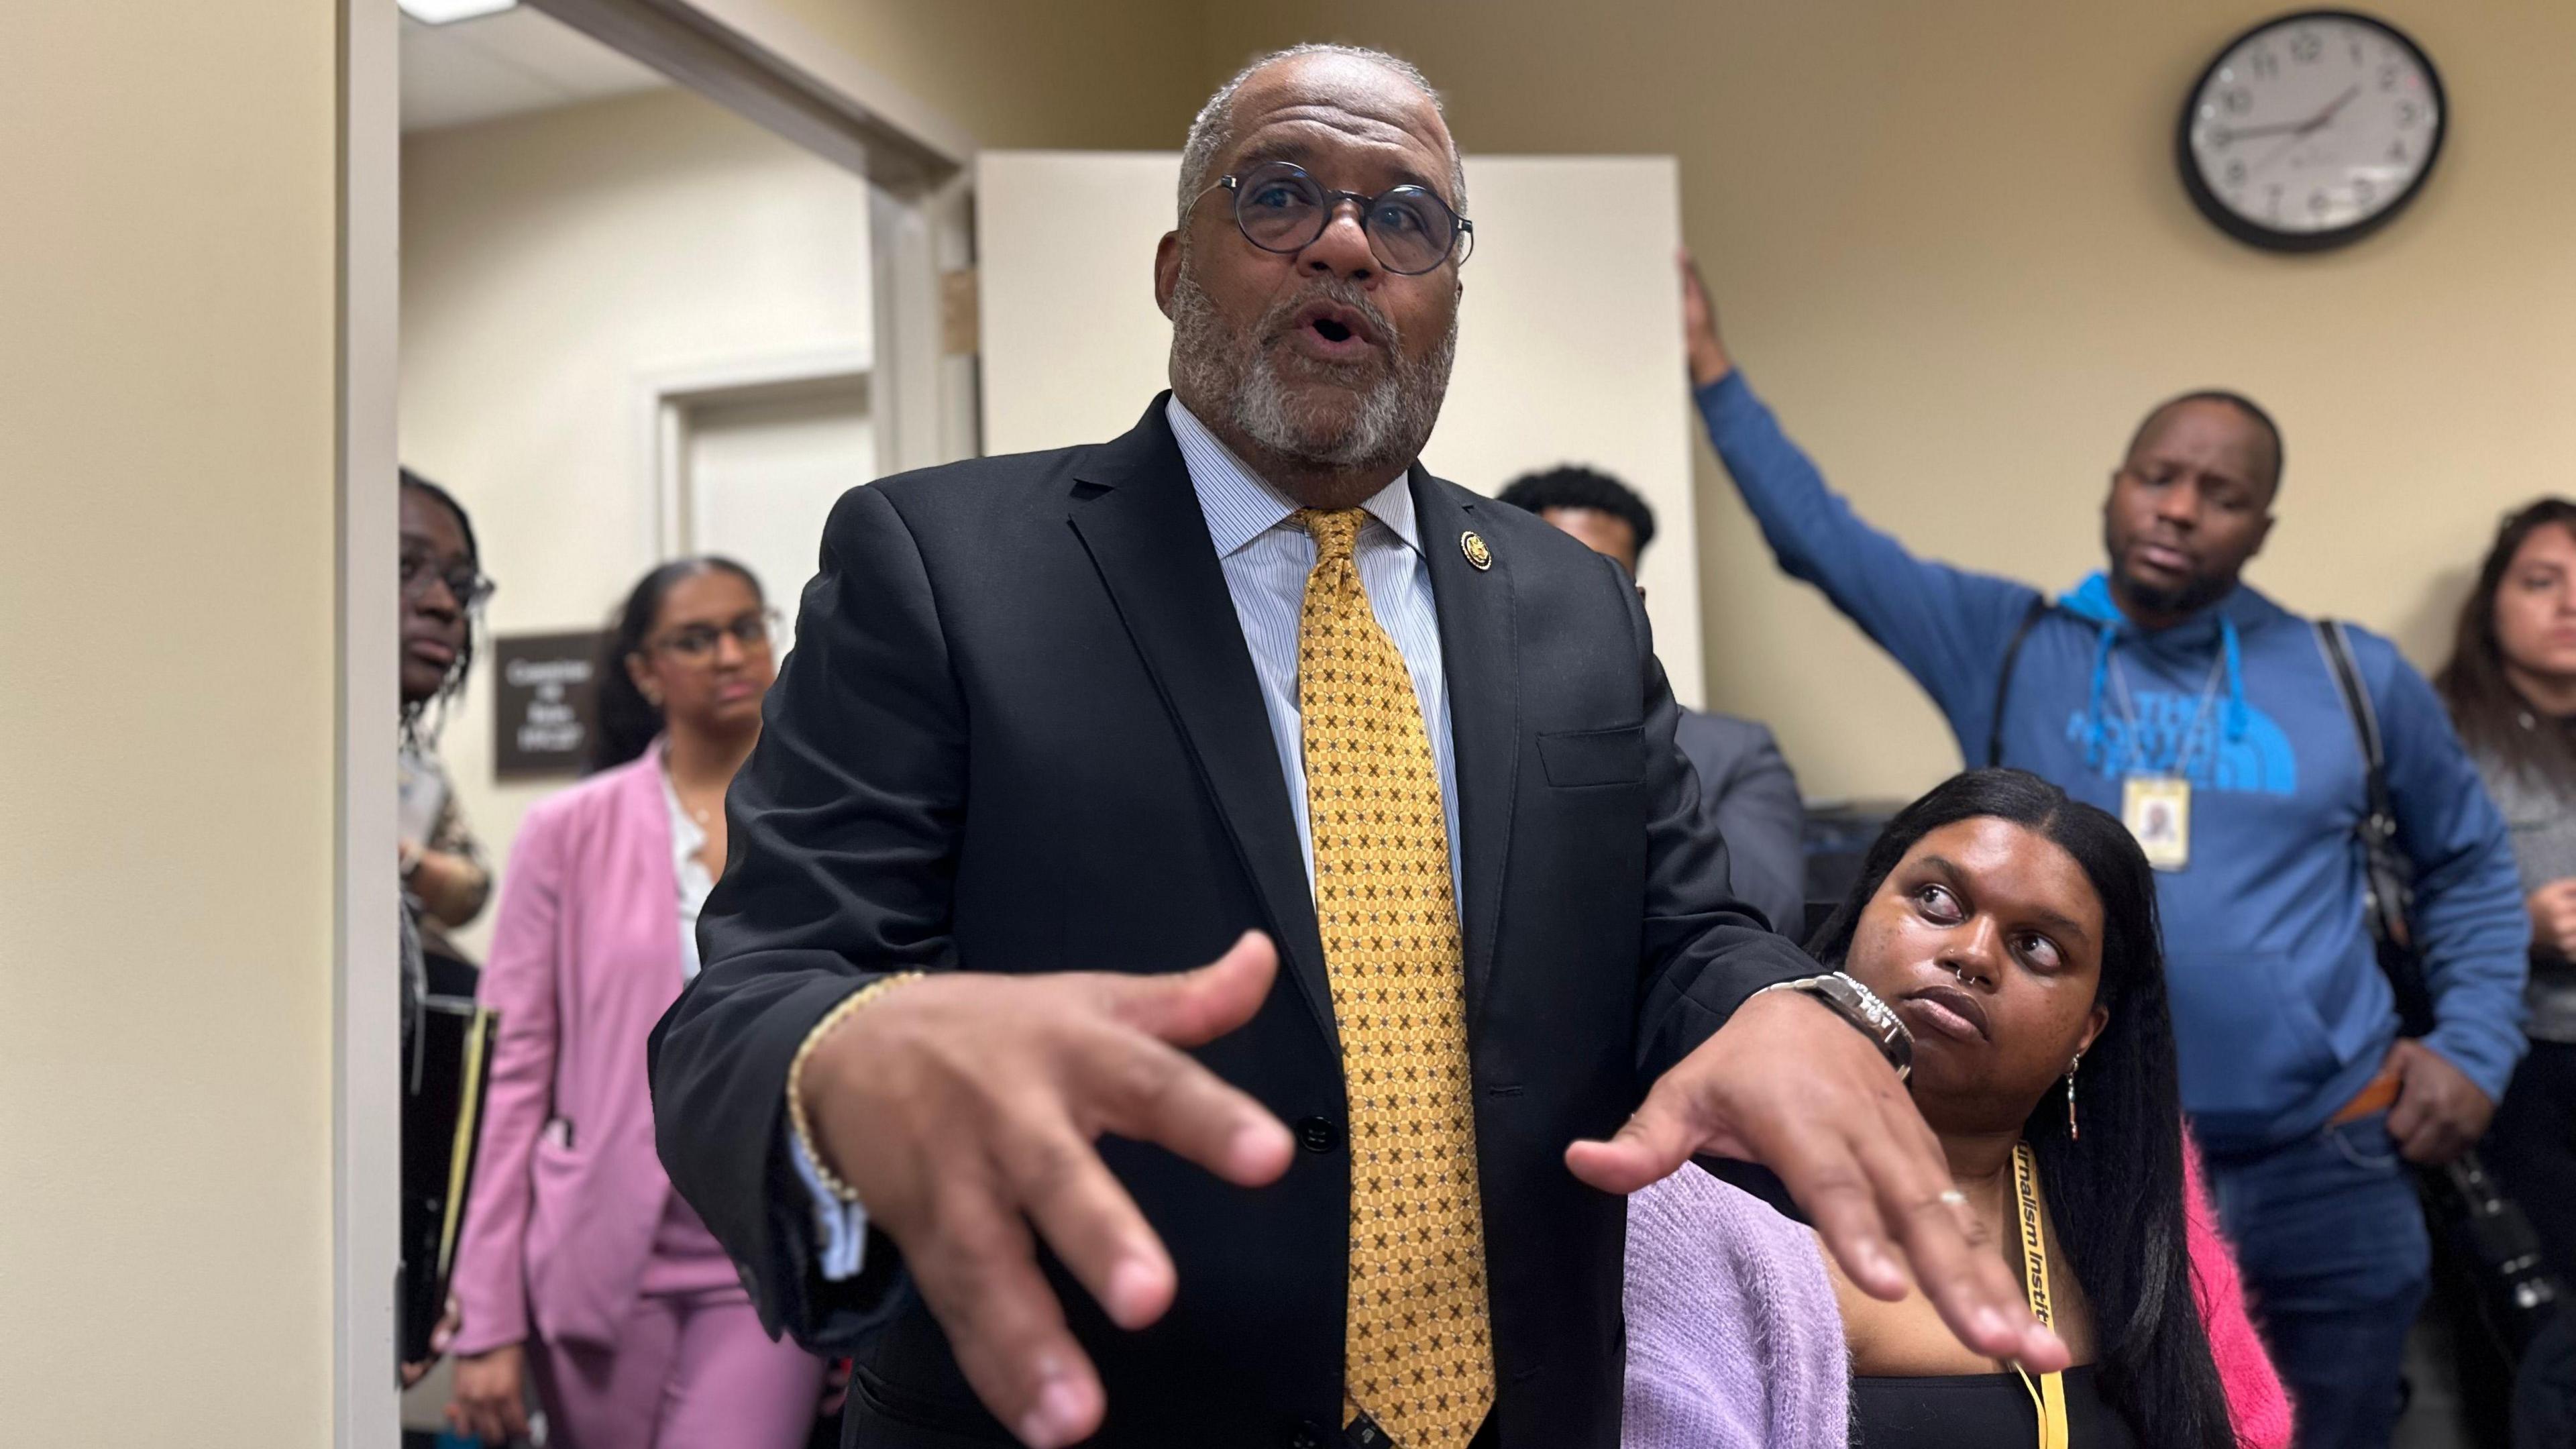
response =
{"points": [[1211, 361]]}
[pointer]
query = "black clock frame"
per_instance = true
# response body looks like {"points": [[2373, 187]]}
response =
{"points": [[2254, 233]]}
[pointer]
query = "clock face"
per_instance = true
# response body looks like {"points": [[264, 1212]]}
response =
{"points": [[2311, 130]]}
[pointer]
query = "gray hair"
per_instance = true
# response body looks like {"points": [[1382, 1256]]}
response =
{"points": [[1213, 129]]}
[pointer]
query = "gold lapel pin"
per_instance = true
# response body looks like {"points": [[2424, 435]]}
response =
{"points": [[1475, 550]]}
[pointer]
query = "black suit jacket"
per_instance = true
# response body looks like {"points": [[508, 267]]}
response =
{"points": [[1020, 732]]}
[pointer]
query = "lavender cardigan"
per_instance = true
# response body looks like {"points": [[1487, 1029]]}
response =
{"points": [[1734, 1340]]}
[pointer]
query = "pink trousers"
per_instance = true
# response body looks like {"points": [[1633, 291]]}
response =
{"points": [[690, 1371]]}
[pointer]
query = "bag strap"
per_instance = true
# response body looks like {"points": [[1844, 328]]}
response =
{"points": [[2382, 821], [2386, 872], [2003, 680]]}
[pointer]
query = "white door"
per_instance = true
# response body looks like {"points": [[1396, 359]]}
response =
{"points": [[764, 468], [1569, 341]]}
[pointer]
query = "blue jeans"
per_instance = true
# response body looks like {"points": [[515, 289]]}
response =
{"points": [[2332, 1241]]}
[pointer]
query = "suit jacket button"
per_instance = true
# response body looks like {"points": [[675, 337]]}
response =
{"points": [[1306, 1437], [1319, 1134]]}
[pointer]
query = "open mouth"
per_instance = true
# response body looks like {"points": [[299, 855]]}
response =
{"points": [[1332, 331]]}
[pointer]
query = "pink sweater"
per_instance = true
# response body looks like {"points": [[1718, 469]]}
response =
{"points": [[2255, 1398], [1734, 1341]]}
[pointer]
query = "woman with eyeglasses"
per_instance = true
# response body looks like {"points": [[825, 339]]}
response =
{"points": [[2013, 931], [581, 1272], [445, 878]]}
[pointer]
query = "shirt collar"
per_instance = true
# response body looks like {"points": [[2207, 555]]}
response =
{"points": [[1241, 506]]}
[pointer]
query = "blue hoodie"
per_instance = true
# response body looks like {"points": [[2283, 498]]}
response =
{"points": [[2280, 1012]]}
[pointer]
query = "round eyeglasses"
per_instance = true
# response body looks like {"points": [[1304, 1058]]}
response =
{"points": [[1410, 229], [697, 643], [465, 583]]}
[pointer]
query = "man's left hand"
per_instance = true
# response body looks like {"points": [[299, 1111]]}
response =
{"points": [[2439, 1111], [1790, 1085]]}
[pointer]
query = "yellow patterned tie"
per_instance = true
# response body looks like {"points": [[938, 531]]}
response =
{"points": [[1417, 1355]]}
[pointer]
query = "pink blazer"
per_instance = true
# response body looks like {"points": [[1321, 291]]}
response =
{"points": [[585, 957]]}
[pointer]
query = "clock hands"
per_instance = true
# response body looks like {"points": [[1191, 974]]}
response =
{"points": [[2340, 102], [2225, 134], [2301, 130]]}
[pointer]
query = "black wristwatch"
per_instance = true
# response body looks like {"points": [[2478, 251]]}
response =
{"points": [[1861, 1007]]}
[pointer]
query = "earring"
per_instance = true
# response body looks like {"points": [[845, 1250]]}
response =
{"points": [[653, 697], [2071, 1133]]}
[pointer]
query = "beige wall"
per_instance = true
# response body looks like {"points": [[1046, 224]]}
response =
{"points": [[166, 708], [551, 263], [1950, 246], [1094, 74]]}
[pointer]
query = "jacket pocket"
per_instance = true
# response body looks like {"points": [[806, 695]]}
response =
{"points": [[1575, 758]]}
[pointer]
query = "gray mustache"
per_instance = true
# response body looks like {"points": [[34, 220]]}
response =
{"points": [[1274, 323]]}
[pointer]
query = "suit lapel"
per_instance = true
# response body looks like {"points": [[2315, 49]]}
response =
{"points": [[1139, 518], [1482, 661]]}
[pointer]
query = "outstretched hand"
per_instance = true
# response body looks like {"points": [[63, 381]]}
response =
{"points": [[963, 1108], [1788, 1084]]}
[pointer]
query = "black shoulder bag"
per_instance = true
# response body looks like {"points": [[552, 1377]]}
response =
{"points": [[2469, 1213]]}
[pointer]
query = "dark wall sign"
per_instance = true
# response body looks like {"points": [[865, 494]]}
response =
{"points": [[545, 703]]}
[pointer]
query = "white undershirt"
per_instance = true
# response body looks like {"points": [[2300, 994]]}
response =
{"points": [[688, 840]]}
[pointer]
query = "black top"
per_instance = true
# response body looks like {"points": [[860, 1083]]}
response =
{"points": [[1982, 1409]]}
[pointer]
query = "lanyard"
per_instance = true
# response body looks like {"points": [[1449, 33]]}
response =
{"points": [[2048, 1391], [2182, 747]]}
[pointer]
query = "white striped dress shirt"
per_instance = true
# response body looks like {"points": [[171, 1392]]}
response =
{"points": [[1266, 558]]}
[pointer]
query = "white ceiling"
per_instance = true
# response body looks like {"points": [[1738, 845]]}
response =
{"points": [[500, 65]]}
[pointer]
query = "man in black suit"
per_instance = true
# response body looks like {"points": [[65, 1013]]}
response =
{"points": [[1245, 686]]}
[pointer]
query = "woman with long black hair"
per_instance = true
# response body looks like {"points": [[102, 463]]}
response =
{"points": [[2511, 686], [2013, 931], [580, 1269]]}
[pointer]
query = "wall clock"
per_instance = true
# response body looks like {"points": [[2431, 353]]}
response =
{"points": [[2311, 130]]}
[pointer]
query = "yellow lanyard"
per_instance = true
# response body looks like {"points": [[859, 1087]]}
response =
{"points": [[2048, 1391]]}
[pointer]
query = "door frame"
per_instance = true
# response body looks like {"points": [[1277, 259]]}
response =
{"points": [[762, 64], [664, 395]]}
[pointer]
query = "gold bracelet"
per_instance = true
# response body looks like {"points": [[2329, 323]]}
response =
{"points": [[848, 1008]]}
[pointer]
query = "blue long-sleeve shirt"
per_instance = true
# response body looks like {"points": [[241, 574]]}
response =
{"points": [[2280, 1012]]}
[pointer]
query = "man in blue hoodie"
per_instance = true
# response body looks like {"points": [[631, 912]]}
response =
{"points": [[2168, 692]]}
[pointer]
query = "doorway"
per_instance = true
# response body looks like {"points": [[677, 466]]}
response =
{"points": [[755, 456], [754, 471]]}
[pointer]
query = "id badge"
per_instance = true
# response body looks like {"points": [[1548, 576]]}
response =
{"points": [[2157, 810]]}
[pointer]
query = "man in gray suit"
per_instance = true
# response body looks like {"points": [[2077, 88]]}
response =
{"points": [[1746, 788]]}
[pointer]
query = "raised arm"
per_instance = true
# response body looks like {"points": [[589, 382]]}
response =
{"points": [[1946, 626]]}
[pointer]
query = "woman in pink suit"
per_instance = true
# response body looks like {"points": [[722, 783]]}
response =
{"points": [[580, 1269]]}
